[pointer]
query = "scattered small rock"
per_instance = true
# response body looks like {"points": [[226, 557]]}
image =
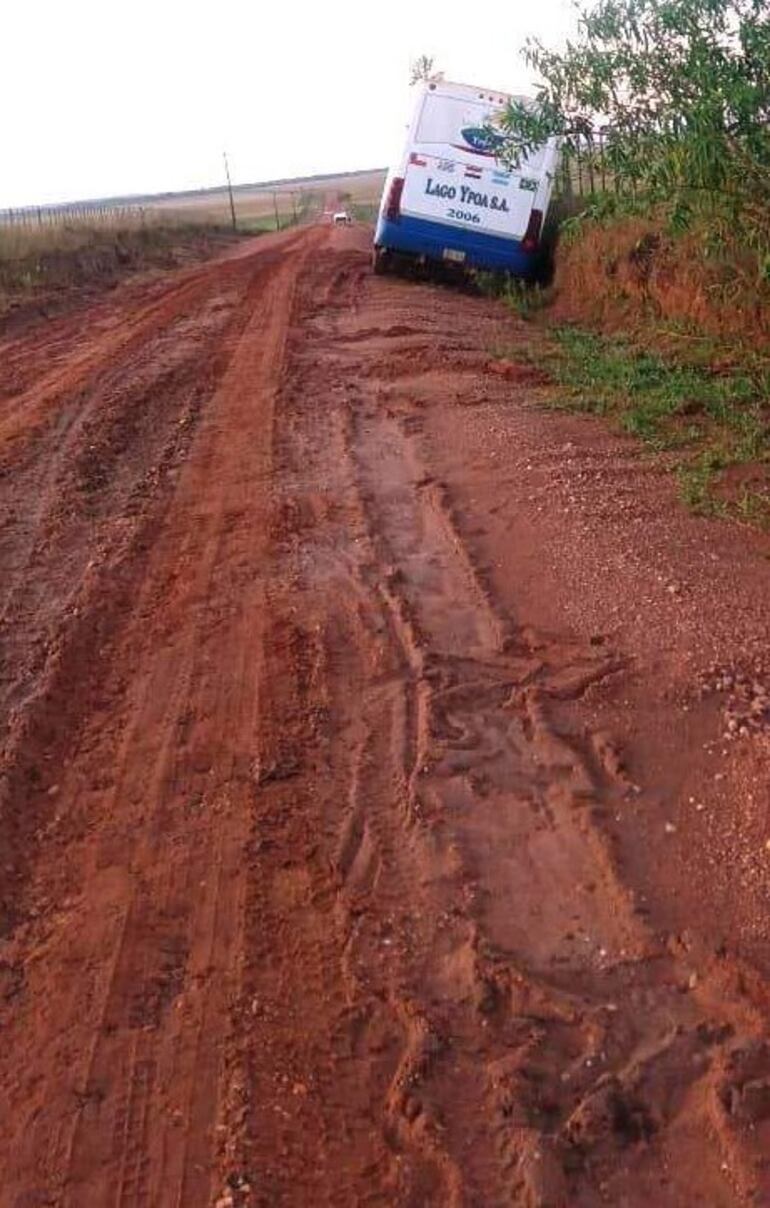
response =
{"points": [[747, 708]]}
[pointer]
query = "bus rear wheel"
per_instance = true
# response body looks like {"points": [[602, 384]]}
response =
{"points": [[381, 261]]}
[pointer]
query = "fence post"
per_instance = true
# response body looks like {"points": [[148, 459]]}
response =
{"points": [[590, 166], [566, 175]]}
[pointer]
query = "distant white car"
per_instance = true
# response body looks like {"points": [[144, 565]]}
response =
{"points": [[341, 218]]}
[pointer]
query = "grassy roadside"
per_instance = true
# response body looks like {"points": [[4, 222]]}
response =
{"points": [[701, 403], [712, 413], [264, 224], [39, 266], [365, 211]]}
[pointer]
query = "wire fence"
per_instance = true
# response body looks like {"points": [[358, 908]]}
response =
{"points": [[586, 170], [82, 214], [258, 209]]}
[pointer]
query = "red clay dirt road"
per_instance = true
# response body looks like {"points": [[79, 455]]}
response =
{"points": [[373, 829]]}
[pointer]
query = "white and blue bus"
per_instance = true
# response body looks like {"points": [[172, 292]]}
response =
{"points": [[452, 198]]}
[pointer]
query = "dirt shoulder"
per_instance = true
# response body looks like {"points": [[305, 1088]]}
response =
{"points": [[383, 776], [582, 529]]}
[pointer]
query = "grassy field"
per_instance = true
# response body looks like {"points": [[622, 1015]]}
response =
{"points": [[257, 211], [256, 207], [67, 245]]}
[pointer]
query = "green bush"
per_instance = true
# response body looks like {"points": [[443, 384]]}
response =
{"points": [[682, 89]]}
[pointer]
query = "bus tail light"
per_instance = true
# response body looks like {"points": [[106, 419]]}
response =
{"points": [[532, 233], [393, 207]]}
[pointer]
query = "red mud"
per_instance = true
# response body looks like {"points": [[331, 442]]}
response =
{"points": [[369, 830]]}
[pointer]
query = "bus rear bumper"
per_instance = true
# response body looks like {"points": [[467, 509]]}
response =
{"points": [[439, 241]]}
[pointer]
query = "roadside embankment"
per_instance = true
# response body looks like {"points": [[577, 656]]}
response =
{"points": [[630, 272], [668, 336]]}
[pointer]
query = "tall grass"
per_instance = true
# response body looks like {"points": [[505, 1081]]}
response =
{"points": [[34, 258], [18, 241]]}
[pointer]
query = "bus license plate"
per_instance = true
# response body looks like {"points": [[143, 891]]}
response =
{"points": [[451, 254]]}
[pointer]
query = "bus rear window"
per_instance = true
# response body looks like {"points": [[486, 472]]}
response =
{"points": [[464, 124], [444, 118]]}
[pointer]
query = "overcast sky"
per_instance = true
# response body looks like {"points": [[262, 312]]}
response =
{"points": [[99, 98]]}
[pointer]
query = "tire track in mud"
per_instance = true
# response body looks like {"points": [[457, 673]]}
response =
{"points": [[543, 1046], [462, 646], [25, 410], [81, 504], [129, 980], [72, 556]]}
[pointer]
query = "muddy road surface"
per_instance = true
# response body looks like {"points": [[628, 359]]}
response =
{"points": [[376, 827]]}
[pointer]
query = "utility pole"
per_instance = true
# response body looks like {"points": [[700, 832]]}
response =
{"points": [[294, 204], [229, 190], [275, 207]]}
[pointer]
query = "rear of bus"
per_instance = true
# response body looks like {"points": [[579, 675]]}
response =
{"points": [[451, 199]]}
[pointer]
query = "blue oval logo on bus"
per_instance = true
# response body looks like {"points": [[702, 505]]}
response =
{"points": [[482, 140]]}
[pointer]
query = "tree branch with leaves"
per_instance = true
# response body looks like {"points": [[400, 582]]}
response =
{"points": [[682, 89]]}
